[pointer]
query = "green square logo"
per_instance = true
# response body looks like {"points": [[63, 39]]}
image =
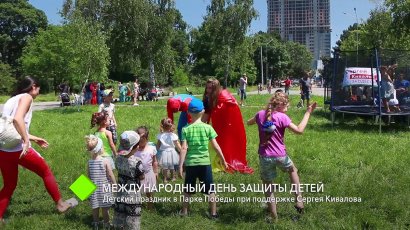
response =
{"points": [[83, 187]]}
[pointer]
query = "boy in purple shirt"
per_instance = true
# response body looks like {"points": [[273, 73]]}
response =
{"points": [[272, 123]]}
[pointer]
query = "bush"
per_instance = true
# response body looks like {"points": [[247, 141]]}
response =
{"points": [[7, 79], [180, 77]]}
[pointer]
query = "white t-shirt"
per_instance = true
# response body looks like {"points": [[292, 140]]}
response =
{"points": [[146, 156], [242, 83], [109, 109], [167, 140], [10, 109], [136, 87]]}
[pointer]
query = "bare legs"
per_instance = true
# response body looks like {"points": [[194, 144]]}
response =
{"points": [[96, 217], [294, 178], [212, 204]]}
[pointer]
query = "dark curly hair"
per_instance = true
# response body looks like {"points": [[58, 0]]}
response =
{"points": [[98, 118]]}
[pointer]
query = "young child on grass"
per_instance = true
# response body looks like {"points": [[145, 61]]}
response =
{"points": [[109, 108], [100, 173], [127, 209], [167, 142], [195, 155], [147, 153], [101, 119], [272, 123]]}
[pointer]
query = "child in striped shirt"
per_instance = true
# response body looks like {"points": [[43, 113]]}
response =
{"points": [[100, 173]]}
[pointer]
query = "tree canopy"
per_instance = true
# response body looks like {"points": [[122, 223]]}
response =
{"points": [[75, 52], [19, 20]]}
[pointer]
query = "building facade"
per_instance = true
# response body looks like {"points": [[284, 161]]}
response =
{"points": [[303, 21]]}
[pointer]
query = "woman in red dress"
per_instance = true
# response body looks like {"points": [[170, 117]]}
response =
{"points": [[93, 88], [222, 111]]}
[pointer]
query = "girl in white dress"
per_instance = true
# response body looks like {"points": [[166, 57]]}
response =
{"points": [[166, 144], [147, 153]]}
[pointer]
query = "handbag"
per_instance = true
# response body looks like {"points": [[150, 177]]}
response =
{"points": [[9, 137]]}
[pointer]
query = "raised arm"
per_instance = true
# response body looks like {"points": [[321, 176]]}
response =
{"points": [[298, 129]]}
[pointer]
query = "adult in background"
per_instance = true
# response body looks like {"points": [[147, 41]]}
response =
{"points": [[64, 87], [119, 86], [222, 111], [19, 107], [179, 103], [288, 84], [93, 88], [136, 91], [123, 92], [243, 81], [88, 92], [305, 89], [402, 88]]}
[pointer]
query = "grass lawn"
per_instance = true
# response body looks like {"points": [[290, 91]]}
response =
{"points": [[40, 98], [351, 160]]}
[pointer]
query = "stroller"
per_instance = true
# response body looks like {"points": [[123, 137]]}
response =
{"points": [[65, 99]]}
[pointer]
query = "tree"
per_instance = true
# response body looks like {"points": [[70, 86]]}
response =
{"points": [[19, 20], [215, 45], [7, 79], [400, 11], [377, 32], [74, 52], [300, 58], [180, 78]]}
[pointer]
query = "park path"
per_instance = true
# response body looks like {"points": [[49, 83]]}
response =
{"points": [[56, 104]]}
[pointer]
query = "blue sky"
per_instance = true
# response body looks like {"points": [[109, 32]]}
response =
{"points": [[194, 10]]}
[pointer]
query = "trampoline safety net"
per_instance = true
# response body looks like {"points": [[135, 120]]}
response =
{"points": [[355, 82]]}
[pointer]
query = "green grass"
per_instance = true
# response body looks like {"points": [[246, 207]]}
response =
{"points": [[352, 160], [40, 98]]}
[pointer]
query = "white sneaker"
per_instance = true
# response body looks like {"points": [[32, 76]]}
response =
{"points": [[135, 104]]}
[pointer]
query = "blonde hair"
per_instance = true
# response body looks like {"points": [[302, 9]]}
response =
{"points": [[167, 125], [278, 99], [91, 142], [216, 89]]}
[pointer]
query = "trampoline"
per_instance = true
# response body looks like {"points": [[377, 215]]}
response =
{"points": [[354, 84]]}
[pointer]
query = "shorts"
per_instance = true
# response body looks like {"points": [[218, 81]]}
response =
{"points": [[268, 166], [386, 90], [111, 161], [113, 131], [203, 173], [243, 94], [305, 95]]}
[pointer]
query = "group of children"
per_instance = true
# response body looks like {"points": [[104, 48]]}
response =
{"points": [[136, 159]]}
